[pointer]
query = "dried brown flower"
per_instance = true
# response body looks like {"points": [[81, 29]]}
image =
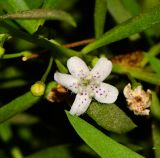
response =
{"points": [[129, 59], [57, 94], [138, 100]]}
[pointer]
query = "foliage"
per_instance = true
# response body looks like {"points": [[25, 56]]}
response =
{"points": [[36, 40]]}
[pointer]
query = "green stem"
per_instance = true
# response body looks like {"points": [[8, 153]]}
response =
{"points": [[44, 77], [154, 51], [133, 81], [137, 73], [10, 56]]}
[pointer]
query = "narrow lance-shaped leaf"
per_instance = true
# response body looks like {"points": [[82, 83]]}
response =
{"points": [[110, 117], [104, 146], [99, 17], [132, 6], [118, 11], [137, 73], [155, 63], [40, 41], [60, 66], [17, 105], [41, 14], [11, 6], [156, 139], [3, 38], [155, 106], [127, 28], [155, 50]]}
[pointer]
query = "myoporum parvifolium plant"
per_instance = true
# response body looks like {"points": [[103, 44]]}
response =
{"points": [[79, 79]]}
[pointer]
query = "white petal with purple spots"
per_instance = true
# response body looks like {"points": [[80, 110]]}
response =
{"points": [[102, 69], [81, 104], [77, 67], [106, 93], [67, 81]]}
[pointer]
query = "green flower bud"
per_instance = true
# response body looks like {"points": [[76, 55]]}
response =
{"points": [[38, 89]]}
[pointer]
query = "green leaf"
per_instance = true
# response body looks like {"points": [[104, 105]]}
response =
{"points": [[104, 146], [110, 117], [118, 11], [41, 14], [3, 38], [24, 119], [42, 42], [100, 11], [12, 6], [17, 105], [50, 3], [34, 4], [14, 83], [127, 28], [132, 6], [61, 151], [155, 63], [153, 51], [155, 106], [156, 138], [137, 73], [10, 72], [60, 66], [5, 132]]}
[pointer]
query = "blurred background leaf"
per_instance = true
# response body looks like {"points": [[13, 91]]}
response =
{"points": [[100, 11], [156, 138]]}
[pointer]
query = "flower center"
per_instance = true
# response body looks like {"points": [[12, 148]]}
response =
{"points": [[85, 82], [88, 84]]}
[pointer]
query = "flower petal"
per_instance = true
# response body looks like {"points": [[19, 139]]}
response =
{"points": [[102, 69], [106, 93], [67, 81], [77, 67], [80, 104], [128, 93]]}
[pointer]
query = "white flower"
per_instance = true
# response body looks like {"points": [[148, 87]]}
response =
{"points": [[138, 100], [87, 84]]}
